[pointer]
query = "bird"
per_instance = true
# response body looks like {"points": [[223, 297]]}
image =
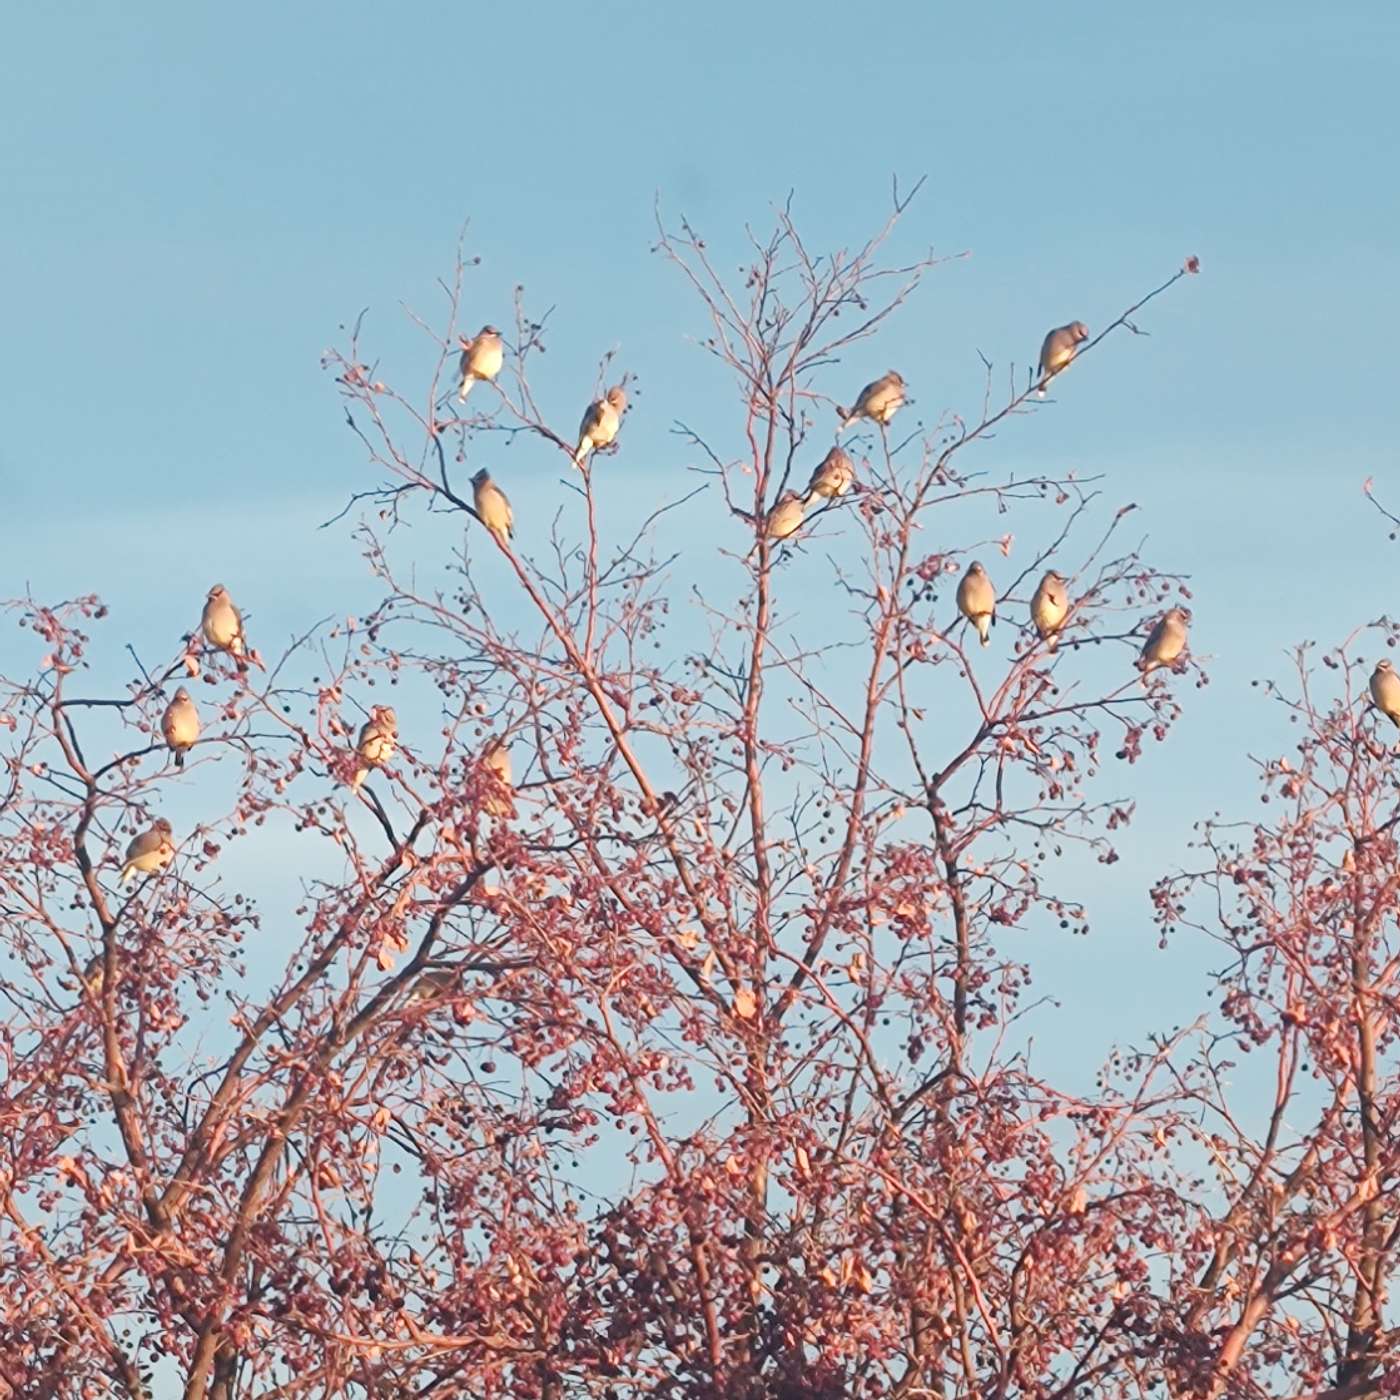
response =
{"points": [[1058, 349], [150, 851], [834, 476], [376, 744], [179, 725], [600, 423], [495, 759], [977, 600], [1385, 691], [223, 623], [878, 401], [492, 507], [482, 358], [783, 520], [1049, 604], [434, 982], [1166, 641]]}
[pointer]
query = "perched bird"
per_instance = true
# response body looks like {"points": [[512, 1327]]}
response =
{"points": [[834, 476], [784, 519], [434, 982], [95, 974], [492, 507], [378, 739], [1049, 604], [482, 358], [179, 725], [601, 422], [151, 850], [223, 623], [1166, 641], [879, 402], [495, 759], [977, 600], [1385, 691], [1058, 349]]}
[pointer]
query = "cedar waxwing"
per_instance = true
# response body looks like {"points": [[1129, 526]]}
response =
{"points": [[92, 976], [95, 974], [1049, 605], [434, 982], [151, 850], [879, 402], [179, 725], [1166, 642], [833, 477], [482, 358], [495, 759], [784, 519], [1385, 691], [1058, 349], [977, 600], [492, 507], [223, 623], [378, 739], [601, 422]]}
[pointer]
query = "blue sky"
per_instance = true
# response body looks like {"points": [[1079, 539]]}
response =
{"points": [[194, 199]]}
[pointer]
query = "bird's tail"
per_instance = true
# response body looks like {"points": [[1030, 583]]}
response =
{"points": [[584, 444], [128, 873], [358, 781], [847, 417], [810, 499], [465, 389], [984, 629], [179, 758]]}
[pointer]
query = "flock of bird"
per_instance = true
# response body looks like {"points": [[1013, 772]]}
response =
{"points": [[222, 628], [482, 358]]}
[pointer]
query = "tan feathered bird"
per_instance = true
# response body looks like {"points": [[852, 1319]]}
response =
{"points": [[152, 850], [878, 401], [834, 476], [601, 422], [379, 737], [784, 516], [492, 507], [495, 760], [435, 982], [223, 623], [1385, 691], [1166, 641], [1058, 349], [179, 725], [482, 358], [977, 600], [783, 520], [1049, 606]]}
